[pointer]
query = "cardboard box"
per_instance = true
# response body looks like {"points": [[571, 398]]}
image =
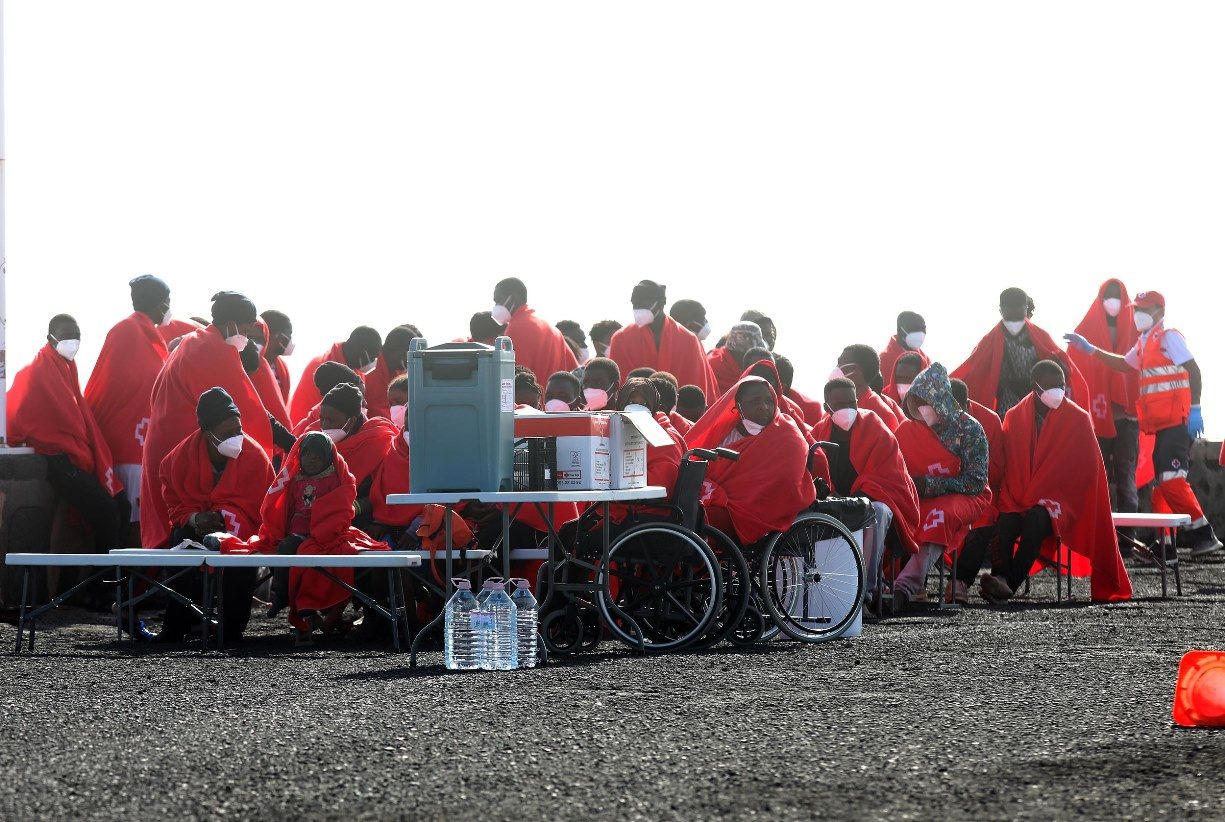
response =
{"points": [[597, 451]]}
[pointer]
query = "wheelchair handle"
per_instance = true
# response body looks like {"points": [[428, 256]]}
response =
{"points": [[824, 446], [728, 454], [710, 454]]}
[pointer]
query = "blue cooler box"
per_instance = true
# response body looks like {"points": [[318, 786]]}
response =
{"points": [[461, 416]]}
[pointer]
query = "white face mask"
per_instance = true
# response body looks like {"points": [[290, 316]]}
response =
{"points": [[405, 435], [259, 348], [68, 348], [634, 407], [1014, 326], [288, 349], [230, 447], [837, 374], [643, 316], [1112, 305], [165, 320], [366, 368], [237, 341], [929, 415], [903, 388], [845, 418], [500, 313], [1143, 320], [1052, 398], [556, 407], [751, 427], [596, 398], [584, 354], [704, 331], [398, 413], [915, 340], [336, 434]]}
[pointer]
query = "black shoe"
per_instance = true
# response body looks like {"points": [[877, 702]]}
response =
{"points": [[1203, 541], [279, 603], [169, 637], [901, 601]]}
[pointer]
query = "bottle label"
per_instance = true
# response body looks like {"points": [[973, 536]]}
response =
{"points": [[482, 620]]}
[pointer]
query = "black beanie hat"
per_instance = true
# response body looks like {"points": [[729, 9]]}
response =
{"points": [[215, 406], [232, 307], [345, 398]]}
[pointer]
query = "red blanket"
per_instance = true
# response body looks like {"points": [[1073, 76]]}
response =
{"points": [[47, 412], [376, 388], [994, 429], [679, 423], [679, 352], [365, 450], [814, 410], [944, 520], [538, 345], [282, 379], [306, 396], [726, 369], [787, 405], [331, 532], [269, 392], [769, 485], [981, 372], [121, 382], [663, 465], [890, 412], [1060, 468], [881, 470], [177, 328], [188, 486], [391, 477], [202, 360], [889, 357], [1107, 387]]}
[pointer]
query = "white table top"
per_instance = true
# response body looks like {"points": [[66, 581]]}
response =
{"points": [[1151, 520], [166, 559], [456, 553], [511, 497], [366, 559]]}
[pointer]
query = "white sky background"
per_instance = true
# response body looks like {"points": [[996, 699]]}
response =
{"points": [[830, 164]]}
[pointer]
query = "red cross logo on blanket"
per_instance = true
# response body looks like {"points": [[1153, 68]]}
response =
{"points": [[935, 518], [142, 428], [1100, 406], [1052, 507], [231, 522], [938, 470]]}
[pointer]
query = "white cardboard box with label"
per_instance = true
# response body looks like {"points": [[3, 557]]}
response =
{"points": [[597, 451]]}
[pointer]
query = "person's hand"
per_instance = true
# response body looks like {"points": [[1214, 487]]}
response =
{"points": [[1079, 343], [211, 542], [206, 522], [1195, 423]]}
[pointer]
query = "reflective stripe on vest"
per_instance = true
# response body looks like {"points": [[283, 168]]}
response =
{"points": [[1165, 387]]}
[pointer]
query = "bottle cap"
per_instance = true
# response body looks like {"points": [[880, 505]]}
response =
{"points": [[462, 584], [494, 583], [521, 585]]}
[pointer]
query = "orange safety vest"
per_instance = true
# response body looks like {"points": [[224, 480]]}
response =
{"points": [[1165, 388]]}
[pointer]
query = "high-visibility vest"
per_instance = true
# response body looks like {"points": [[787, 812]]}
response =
{"points": [[1165, 388]]}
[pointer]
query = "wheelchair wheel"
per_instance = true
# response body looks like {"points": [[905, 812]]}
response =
{"points": [[811, 578], [750, 629], [562, 631], [737, 587], [661, 589]]}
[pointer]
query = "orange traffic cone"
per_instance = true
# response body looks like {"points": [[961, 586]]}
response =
{"points": [[1199, 696]]}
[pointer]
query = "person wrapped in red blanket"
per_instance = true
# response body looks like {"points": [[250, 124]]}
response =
{"points": [[997, 370], [813, 409], [213, 482], [359, 352], [861, 365], [309, 510], [203, 359], [47, 412], [538, 346], [280, 345], [770, 484], [726, 362], [392, 362], [660, 342], [905, 369], [947, 455], [1054, 491], [760, 363], [667, 387], [326, 377], [908, 340], [869, 463]]}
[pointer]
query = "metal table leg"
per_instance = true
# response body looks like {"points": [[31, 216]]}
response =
{"points": [[118, 606], [21, 614], [395, 610]]}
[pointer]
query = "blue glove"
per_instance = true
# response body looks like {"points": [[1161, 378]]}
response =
{"points": [[1195, 423], [1079, 343]]}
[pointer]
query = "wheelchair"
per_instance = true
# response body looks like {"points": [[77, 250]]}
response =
{"points": [[676, 582]]}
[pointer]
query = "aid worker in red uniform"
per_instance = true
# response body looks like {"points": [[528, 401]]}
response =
{"points": [[1168, 409]]}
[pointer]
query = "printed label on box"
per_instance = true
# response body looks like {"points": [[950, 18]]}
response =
{"points": [[508, 396]]}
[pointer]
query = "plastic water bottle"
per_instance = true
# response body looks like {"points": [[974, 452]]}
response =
{"points": [[498, 617], [461, 650], [526, 615]]}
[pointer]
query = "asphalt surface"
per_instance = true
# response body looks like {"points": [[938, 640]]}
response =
{"points": [[1029, 711]]}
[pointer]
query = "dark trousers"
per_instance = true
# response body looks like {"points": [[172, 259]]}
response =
{"points": [[237, 588], [1013, 560], [1121, 453], [103, 513], [974, 553], [280, 576]]}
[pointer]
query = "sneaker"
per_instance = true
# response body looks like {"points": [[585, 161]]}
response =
{"points": [[919, 596], [901, 601], [993, 589], [1203, 541], [302, 639], [957, 591]]}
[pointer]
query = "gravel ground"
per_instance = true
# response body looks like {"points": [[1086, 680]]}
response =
{"points": [[1030, 711]]}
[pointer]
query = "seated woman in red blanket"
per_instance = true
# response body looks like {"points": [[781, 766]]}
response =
{"points": [[947, 455], [770, 484], [905, 369], [1054, 490], [214, 481], [309, 510]]}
